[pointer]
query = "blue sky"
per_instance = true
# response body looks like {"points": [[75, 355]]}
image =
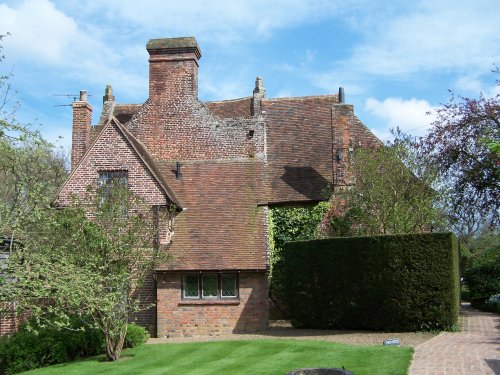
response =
{"points": [[395, 59]]}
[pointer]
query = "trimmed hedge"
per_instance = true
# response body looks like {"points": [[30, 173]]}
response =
{"points": [[397, 282]]}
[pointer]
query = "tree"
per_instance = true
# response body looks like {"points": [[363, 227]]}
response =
{"points": [[463, 144], [88, 260], [392, 193], [29, 165]]}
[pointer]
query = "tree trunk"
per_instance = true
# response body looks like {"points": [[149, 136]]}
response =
{"points": [[114, 345]]}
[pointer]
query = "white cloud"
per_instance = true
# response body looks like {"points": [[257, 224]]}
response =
{"points": [[411, 116], [472, 86], [39, 31], [434, 35], [222, 21], [417, 42]]}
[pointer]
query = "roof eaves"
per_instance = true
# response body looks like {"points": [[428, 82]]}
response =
{"points": [[142, 152]]}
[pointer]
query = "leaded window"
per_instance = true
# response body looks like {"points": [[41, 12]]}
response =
{"points": [[210, 286], [228, 286], [191, 287]]}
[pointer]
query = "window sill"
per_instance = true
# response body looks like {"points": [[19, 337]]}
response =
{"points": [[230, 302]]}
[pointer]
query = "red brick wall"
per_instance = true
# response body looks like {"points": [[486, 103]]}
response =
{"points": [[112, 152], [348, 133], [82, 120], [177, 317], [9, 320], [173, 77], [187, 130]]}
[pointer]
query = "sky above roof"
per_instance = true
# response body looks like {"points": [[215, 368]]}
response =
{"points": [[395, 59]]}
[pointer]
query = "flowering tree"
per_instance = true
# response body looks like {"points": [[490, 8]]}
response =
{"points": [[90, 261], [463, 145]]}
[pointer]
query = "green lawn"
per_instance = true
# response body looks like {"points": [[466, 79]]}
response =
{"points": [[244, 357]]}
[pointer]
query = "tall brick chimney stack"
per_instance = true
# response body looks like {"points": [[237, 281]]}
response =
{"points": [[173, 69], [82, 122]]}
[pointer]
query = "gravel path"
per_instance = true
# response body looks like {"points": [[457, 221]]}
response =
{"points": [[283, 330]]}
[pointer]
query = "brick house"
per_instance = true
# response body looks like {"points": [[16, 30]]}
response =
{"points": [[222, 164]]}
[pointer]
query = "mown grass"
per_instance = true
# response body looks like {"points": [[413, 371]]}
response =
{"points": [[243, 357]]}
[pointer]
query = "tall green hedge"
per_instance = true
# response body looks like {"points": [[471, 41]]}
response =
{"points": [[400, 282]]}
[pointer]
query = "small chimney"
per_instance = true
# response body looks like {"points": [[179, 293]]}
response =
{"points": [[173, 69], [341, 95], [82, 120], [259, 93], [108, 105], [108, 94]]}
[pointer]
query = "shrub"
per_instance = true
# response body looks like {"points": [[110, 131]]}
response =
{"points": [[136, 335], [29, 349], [482, 276], [400, 282], [290, 224]]}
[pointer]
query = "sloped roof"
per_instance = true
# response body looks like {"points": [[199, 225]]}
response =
{"points": [[299, 148], [124, 112], [231, 108], [148, 161], [222, 226]]}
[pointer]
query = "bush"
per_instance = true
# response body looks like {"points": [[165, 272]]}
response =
{"points": [[28, 349], [482, 276], [136, 335], [401, 282]]}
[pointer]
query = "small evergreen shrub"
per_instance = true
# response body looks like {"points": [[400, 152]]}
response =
{"points": [[136, 335], [28, 349]]}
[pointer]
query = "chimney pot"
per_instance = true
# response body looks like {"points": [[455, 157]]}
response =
{"points": [[341, 95]]}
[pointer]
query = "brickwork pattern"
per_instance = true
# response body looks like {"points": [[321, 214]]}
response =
{"points": [[236, 156], [9, 320], [179, 318], [82, 120], [111, 152], [473, 351], [187, 130]]}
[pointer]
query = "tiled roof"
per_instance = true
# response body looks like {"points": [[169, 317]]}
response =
{"points": [[231, 108], [124, 112], [223, 224], [299, 148], [221, 227]]}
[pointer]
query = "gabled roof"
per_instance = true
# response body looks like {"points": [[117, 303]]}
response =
{"points": [[141, 152]]}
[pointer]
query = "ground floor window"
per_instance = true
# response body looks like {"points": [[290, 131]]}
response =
{"points": [[210, 286]]}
